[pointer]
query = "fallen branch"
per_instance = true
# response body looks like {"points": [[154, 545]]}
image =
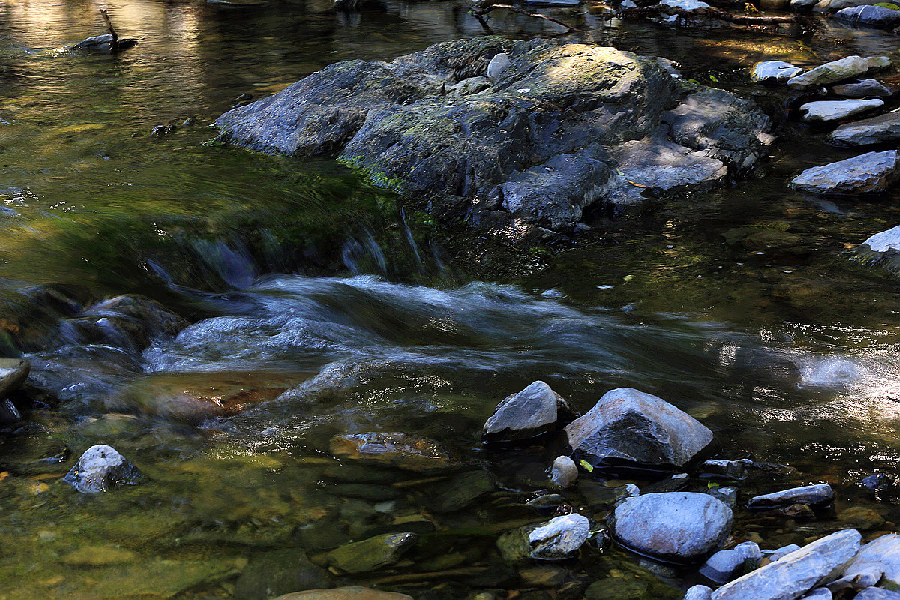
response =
{"points": [[707, 13], [485, 6], [114, 44]]}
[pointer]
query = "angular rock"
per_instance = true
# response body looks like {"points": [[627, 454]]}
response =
{"points": [[884, 241], [633, 428], [498, 64], [527, 414], [802, 5], [533, 149], [879, 559], [869, 16], [678, 526], [865, 88], [564, 472], [370, 554], [836, 110], [876, 593], [810, 495], [798, 572], [782, 552], [774, 71], [395, 449], [13, 373], [876, 130], [559, 538], [725, 564], [832, 72], [100, 469], [345, 593], [870, 172], [818, 594], [698, 592], [723, 469], [685, 4]]}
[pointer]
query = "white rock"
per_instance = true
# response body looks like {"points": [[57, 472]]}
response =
{"points": [[674, 525], [774, 70], [698, 592], [881, 557], [885, 240], [875, 593], [564, 471], [782, 552], [685, 4], [813, 565], [100, 468], [526, 414], [836, 110], [818, 594], [560, 537], [498, 64]]}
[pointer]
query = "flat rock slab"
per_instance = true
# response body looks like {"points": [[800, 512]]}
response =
{"points": [[345, 593], [836, 110], [679, 526], [869, 16], [533, 142], [559, 538], [629, 426], [879, 559], [837, 71], [526, 414], [870, 172], [810, 495], [882, 129], [774, 71], [866, 88], [800, 571]]}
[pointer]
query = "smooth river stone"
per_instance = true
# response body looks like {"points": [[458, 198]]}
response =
{"points": [[680, 526], [789, 578], [882, 129], [774, 70], [835, 110], [13, 373], [560, 537], [870, 172]]}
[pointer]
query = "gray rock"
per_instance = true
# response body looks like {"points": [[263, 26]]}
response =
{"points": [[353, 592], [100, 469], [9, 414], [560, 537], [279, 572], [723, 469], [885, 241], [564, 471], [698, 592], [685, 4], [725, 564], [818, 594], [813, 565], [832, 72], [802, 5], [870, 16], [531, 151], [526, 414], [876, 593], [876, 130], [879, 559], [498, 64], [679, 526], [13, 373], [774, 71], [820, 493], [835, 110], [728, 495], [865, 88], [782, 552], [631, 427], [370, 554], [870, 172], [831, 6]]}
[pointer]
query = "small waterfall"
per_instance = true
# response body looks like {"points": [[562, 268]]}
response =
{"points": [[356, 252]]}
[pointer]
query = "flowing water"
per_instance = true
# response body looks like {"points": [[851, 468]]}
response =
{"points": [[320, 306]]}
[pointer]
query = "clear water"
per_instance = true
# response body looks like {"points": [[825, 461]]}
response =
{"points": [[321, 307]]}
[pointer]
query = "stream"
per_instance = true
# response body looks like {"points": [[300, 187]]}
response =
{"points": [[320, 306]]}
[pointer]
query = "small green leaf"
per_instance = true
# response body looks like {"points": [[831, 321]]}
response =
{"points": [[586, 466], [714, 79], [712, 485]]}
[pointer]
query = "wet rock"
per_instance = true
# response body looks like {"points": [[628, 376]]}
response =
{"points": [[559, 538], [832, 72], [818, 594], [802, 5], [395, 449], [698, 592], [774, 71], [876, 130], [679, 526], [782, 552], [529, 413], [832, 6], [877, 481], [685, 4], [9, 414], [879, 560], [631, 427], [866, 173], [544, 576], [870, 16], [100, 469], [865, 88], [129, 322], [875, 593], [514, 546], [13, 373], [564, 472], [810, 495], [371, 554], [535, 146], [499, 63], [345, 593], [725, 564], [860, 517], [270, 574], [723, 469], [836, 110], [884, 241], [815, 564], [459, 491], [102, 44]]}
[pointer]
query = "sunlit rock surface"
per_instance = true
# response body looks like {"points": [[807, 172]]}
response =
{"points": [[870, 172]]}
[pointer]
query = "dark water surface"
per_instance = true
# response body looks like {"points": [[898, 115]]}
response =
{"points": [[321, 307]]}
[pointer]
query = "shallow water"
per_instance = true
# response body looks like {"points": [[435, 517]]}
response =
{"points": [[320, 306]]}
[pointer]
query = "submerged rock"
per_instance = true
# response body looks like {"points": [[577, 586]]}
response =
{"points": [[13, 373], [774, 71], [870, 172], [529, 413], [679, 526], [559, 538], [395, 449], [876, 130], [100, 469], [564, 472], [836, 71], [102, 44], [371, 554], [536, 146], [835, 110], [865, 88], [633, 428], [815, 564], [869, 15], [810, 495], [278, 572], [345, 593]]}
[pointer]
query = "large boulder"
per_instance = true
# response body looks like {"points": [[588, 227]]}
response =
{"points": [[526, 414], [533, 138], [866, 173], [677, 526], [790, 577], [876, 130], [877, 561], [631, 428]]}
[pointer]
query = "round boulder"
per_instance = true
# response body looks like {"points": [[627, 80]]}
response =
{"points": [[676, 526]]}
